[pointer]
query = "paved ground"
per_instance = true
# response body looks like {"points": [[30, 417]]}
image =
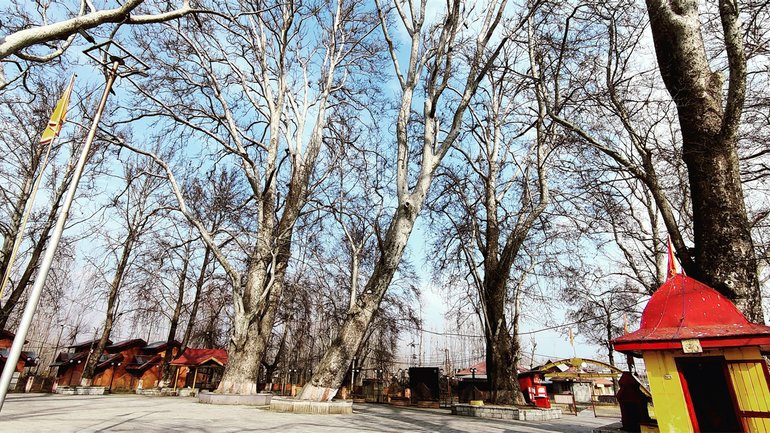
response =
{"points": [[115, 413]]}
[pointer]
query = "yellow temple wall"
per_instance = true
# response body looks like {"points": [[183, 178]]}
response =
{"points": [[667, 396], [750, 385], [748, 379]]}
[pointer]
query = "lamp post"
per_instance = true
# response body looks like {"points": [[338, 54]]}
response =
{"points": [[274, 380], [441, 374], [291, 381], [352, 377], [115, 61], [112, 374], [379, 372], [357, 371], [473, 380]]}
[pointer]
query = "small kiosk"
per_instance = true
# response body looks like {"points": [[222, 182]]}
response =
{"points": [[704, 360]]}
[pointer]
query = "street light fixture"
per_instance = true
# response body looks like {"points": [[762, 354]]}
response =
{"points": [[473, 380], [291, 376], [379, 372]]}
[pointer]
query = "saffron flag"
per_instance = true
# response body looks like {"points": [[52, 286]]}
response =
{"points": [[59, 116], [671, 261], [51, 131]]}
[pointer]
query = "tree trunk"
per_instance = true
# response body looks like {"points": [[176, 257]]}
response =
{"points": [[165, 371], [502, 348], [196, 302], [240, 376], [333, 367], [37, 251], [14, 227], [253, 326], [724, 251], [88, 371]]}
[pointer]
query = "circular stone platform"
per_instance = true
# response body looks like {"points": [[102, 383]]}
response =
{"points": [[262, 399], [339, 407]]}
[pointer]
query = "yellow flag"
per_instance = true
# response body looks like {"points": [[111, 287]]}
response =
{"points": [[51, 131], [59, 115]]}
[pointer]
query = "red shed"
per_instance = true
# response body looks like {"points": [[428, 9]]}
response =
{"points": [[206, 366]]}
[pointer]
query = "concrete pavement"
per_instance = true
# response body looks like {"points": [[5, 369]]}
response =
{"points": [[120, 413]]}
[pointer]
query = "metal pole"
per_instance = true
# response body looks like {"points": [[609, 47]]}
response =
{"points": [[112, 374], [45, 264], [352, 378], [473, 379]]}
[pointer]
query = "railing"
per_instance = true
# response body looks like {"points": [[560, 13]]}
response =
{"points": [[565, 402], [605, 406]]}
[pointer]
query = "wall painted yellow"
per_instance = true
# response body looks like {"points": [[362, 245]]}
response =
{"points": [[667, 395], [751, 387]]}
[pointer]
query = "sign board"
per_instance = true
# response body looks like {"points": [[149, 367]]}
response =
{"points": [[691, 346]]}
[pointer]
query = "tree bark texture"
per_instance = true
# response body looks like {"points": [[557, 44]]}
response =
{"points": [[502, 347], [724, 251]]}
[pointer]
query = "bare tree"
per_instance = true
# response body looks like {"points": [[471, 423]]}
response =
{"points": [[24, 161], [287, 86], [600, 313], [137, 206], [493, 198], [433, 62]]}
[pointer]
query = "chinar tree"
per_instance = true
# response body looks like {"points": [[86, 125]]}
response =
{"points": [[709, 114], [255, 87], [492, 198], [446, 62]]}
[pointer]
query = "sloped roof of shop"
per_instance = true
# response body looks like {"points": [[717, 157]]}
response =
{"points": [[106, 360], [142, 362], [64, 358], [159, 346], [197, 357], [86, 345], [125, 344]]}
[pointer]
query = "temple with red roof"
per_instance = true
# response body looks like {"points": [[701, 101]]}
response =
{"points": [[704, 360]]}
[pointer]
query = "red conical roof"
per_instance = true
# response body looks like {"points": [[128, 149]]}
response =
{"points": [[683, 308]]}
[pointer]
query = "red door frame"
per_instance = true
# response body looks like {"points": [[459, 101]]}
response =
{"points": [[688, 397]]}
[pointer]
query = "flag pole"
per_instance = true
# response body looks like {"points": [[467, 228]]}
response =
{"points": [[35, 187], [45, 265]]}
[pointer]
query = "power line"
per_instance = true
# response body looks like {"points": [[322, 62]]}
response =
{"points": [[547, 328]]}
